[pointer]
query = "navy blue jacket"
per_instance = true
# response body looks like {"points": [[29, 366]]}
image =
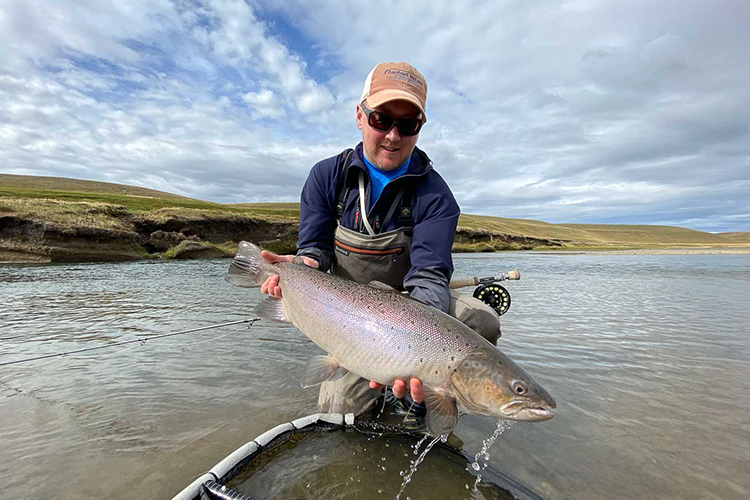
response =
{"points": [[434, 212]]}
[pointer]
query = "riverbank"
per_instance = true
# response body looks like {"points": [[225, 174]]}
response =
{"points": [[659, 251], [68, 220], [60, 231]]}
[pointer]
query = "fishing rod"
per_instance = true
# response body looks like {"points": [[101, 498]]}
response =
{"points": [[142, 341], [488, 291]]}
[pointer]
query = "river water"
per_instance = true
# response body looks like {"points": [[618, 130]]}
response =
{"points": [[647, 356]]}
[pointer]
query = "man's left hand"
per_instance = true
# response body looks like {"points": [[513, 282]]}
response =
{"points": [[399, 388]]}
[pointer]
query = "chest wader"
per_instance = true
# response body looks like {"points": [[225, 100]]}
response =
{"points": [[384, 257]]}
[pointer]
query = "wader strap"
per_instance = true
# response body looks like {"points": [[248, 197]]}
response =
{"points": [[362, 207], [343, 191], [394, 205], [405, 219]]}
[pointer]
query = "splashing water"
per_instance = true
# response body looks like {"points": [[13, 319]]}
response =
{"points": [[484, 454], [382, 408], [419, 443], [415, 463]]}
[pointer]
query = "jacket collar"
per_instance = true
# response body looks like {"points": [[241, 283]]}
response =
{"points": [[419, 165]]}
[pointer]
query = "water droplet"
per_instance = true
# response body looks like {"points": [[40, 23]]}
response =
{"points": [[475, 466], [382, 459]]}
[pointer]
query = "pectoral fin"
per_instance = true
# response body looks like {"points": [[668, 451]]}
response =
{"points": [[442, 412], [322, 368], [272, 310]]}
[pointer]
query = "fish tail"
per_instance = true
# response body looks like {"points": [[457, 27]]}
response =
{"points": [[248, 268]]}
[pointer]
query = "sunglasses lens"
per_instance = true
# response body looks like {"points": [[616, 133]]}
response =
{"points": [[380, 121], [409, 126], [384, 123]]}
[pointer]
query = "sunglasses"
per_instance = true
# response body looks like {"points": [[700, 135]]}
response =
{"points": [[382, 122]]}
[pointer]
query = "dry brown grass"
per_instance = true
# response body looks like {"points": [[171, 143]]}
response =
{"points": [[739, 238], [72, 203], [68, 214]]}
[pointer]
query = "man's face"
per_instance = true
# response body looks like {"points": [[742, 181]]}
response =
{"points": [[388, 150]]}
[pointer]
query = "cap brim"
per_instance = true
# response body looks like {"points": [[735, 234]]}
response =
{"points": [[384, 96]]}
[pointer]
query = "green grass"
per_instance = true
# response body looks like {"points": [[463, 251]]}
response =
{"points": [[38, 183], [131, 202], [68, 214], [76, 203]]}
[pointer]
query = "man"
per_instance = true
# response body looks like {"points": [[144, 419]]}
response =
{"points": [[380, 213]]}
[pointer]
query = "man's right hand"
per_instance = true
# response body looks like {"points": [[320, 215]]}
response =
{"points": [[271, 285]]}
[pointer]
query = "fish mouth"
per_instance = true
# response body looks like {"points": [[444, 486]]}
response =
{"points": [[526, 412]]}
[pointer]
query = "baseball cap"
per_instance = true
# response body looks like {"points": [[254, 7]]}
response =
{"points": [[391, 81]]}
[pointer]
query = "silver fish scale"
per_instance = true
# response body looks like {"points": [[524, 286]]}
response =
{"points": [[377, 334]]}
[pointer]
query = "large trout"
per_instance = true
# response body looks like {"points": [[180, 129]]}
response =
{"points": [[382, 335]]}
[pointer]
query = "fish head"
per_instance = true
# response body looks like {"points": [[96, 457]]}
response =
{"points": [[487, 382]]}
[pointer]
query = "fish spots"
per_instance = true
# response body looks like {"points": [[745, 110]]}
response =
{"points": [[421, 360], [453, 358]]}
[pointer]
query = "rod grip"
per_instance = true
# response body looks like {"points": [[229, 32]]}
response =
{"points": [[463, 282], [515, 274]]}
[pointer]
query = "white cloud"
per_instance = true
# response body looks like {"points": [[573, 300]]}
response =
{"points": [[581, 111], [265, 103]]}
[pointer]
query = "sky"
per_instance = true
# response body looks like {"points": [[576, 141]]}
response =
{"points": [[582, 111]]}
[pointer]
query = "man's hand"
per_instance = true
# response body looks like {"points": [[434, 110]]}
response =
{"points": [[271, 285], [399, 388]]}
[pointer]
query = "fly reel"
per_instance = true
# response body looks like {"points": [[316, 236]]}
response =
{"points": [[488, 291], [495, 296]]}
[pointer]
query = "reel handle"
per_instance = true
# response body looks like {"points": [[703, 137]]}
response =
{"points": [[464, 282]]}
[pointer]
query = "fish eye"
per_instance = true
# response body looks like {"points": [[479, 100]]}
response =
{"points": [[519, 388]]}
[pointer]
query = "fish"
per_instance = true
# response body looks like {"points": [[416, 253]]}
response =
{"points": [[380, 334]]}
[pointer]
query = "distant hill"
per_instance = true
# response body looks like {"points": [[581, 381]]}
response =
{"points": [[76, 216], [743, 237], [34, 182], [593, 234]]}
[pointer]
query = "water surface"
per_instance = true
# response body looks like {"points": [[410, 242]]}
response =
{"points": [[646, 355]]}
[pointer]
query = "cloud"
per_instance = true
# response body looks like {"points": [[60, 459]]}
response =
{"points": [[265, 103], [583, 111]]}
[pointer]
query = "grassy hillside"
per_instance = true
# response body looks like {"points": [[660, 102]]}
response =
{"points": [[740, 238], [77, 203], [36, 183]]}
